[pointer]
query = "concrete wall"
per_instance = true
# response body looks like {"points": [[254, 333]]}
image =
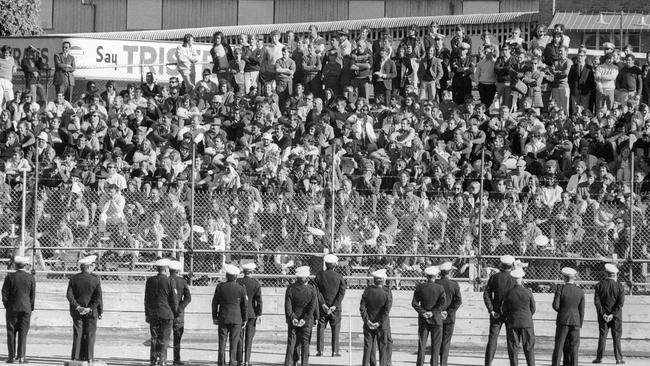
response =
{"points": [[123, 304]]}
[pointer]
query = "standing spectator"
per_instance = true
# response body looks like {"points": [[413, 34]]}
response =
{"points": [[272, 53], [540, 38], [605, 76], [463, 68], [560, 85], [311, 67], [502, 67], [362, 69], [150, 88], [384, 76], [486, 77], [7, 69], [222, 54], [430, 73], [285, 67], [64, 67], [458, 39], [581, 82], [33, 65], [187, 56], [629, 83], [253, 57]]}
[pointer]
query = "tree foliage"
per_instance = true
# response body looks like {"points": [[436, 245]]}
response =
{"points": [[20, 17]]}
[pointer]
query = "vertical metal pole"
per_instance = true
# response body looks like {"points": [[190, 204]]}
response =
{"points": [[22, 219], [192, 214], [632, 232], [332, 221], [621, 26], [349, 339], [35, 205], [480, 215]]}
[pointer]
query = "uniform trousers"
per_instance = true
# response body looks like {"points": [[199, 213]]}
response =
{"points": [[83, 337], [424, 329], [567, 344], [447, 333], [17, 329], [370, 336], [334, 320], [246, 341], [301, 335], [231, 333], [160, 330], [178, 328], [616, 327], [524, 337], [493, 336]]}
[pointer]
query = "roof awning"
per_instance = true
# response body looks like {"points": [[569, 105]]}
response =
{"points": [[604, 22]]}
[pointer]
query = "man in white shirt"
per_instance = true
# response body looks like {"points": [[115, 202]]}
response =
{"points": [[112, 212], [7, 69]]}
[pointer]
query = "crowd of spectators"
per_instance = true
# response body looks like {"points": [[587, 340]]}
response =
{"points": [[408, 146]]}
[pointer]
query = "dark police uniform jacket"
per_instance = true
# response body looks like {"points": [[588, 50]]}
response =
{"points": [[254, 294], [85, 290], [429, 296], [160, 298], [183, 296], [609, 297], [569, 302], [497, 286], [375, 305], [453, 299], [331, 288], [19, 292], [301, 303], [518, 307], [229, 304]]}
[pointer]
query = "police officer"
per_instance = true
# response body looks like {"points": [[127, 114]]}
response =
{"points": [[254, 312], [453, 300], [160, 309], [331, 288], [301, 309], [86, 306], [183, 296], [229, 312], [497, 286], [429, 301], [18, 294], [518, 308], [569, 302], [609, 297], [375, 307]]}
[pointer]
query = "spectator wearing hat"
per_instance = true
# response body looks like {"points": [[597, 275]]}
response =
{"points": [[254, 312], [429, 300], [498, 285], [463, 67], [160, 305], [330, 286], [605, 76], [376, 303], [518, 308], [206, 88], [183, 298], [609, 297], [229, 312], [18, 296], [569, 303], [86, 307], [453, 300], [301, 307]]}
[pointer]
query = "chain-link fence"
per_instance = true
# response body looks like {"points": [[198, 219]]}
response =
{"points": [[401, 230]]}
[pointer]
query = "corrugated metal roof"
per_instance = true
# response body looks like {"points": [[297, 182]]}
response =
{"points": [[446, 20], [602, 21]]}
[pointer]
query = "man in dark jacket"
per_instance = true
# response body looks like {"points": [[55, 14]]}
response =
{"points": [[375, 306], [429, 300], [86, 306], [453, 300], [518, 308], [331, 288], [569, 302], [18, 295], [183, 298], [160, 309], [609, 297], [300, 309], [581, 82], [497, 286], [229, 312], [254, 312]]}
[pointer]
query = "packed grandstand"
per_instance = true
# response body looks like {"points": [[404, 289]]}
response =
{"points": [[392, 153]]}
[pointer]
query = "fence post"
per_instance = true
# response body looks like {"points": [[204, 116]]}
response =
{"points": [[35, 206], [480, 221], [22, 218], [332, 221], [349, 339], [193, 192], [632, 229]]}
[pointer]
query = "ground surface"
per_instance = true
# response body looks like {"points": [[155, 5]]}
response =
{"points": [[51, 346]]}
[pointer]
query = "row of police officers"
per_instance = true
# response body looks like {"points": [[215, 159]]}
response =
{"points": [[237, 309]]}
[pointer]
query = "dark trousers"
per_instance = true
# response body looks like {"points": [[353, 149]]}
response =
{"points": [[246, 341], [370, 337], [363, 87], [17, 329], [83, 338], [436, 340], [231, 333], [493, 336], [616, 326], [301, 335], [160, 330], [178, 328], [447, 333], [567, 343], [334, 320], [487, 93], [389, 345], [524, 337]]}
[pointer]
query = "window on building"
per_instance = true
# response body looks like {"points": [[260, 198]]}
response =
{"points": [[47, 11], [143, 14]]}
